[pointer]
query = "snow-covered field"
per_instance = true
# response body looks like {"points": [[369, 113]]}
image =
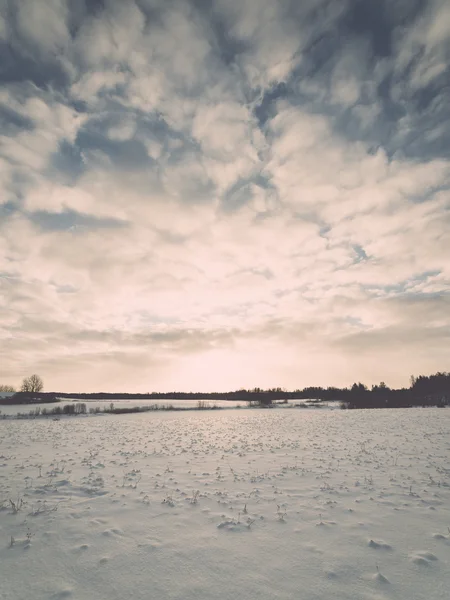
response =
{"points": [[239, 504], [14, 409]]}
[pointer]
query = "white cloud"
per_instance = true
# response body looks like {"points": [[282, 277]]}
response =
{"points": [[274, 41], [52, 122], [110, 38], [91, 83], [43, 25], [124, 130]]}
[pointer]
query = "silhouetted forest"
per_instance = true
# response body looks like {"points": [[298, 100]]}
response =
{"points": [[431, 390]]}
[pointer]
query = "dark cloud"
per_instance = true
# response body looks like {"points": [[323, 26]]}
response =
{"points": [[372, 32], [17, 67], [360, 253], [240, 192], [377, 21], [265, 109], [72, 220], [67, 163], [122, 154], [12, 122]]}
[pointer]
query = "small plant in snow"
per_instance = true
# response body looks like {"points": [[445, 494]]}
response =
{"points": [[44, 508], [60, 467], [50, 485], [368, 481], [280, 513], [195, 496], [16, 505]]}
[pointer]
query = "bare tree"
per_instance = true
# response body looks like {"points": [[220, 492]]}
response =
{"points": [[7, 388], [32, 384]]}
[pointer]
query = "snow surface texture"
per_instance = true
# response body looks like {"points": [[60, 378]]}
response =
{"points": [[247, 504]]}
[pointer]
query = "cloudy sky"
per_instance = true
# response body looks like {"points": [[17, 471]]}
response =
{"points": [[214, 194]]}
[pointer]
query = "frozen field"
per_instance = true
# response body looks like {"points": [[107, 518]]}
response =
{"points": [[14, 409], [236, 504]]}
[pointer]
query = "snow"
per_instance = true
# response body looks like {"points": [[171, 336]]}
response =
{"points": [[235, 504], [14, 409]]}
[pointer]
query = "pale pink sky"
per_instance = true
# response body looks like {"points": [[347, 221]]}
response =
{"points": [[200, 202]]}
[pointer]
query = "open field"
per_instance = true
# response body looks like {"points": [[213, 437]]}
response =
{"points": [[234, 504], [12, 410]]}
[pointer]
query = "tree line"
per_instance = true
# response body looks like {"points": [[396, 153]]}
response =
{"points": [[424, 390]]}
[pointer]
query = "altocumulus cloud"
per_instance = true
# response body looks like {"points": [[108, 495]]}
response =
{"points": [[215, 194]]}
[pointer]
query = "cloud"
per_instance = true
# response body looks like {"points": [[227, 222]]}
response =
{"points": [[42, 27], [205, 194]]}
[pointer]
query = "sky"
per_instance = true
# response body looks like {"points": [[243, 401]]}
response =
{"points": [[210, 195]]}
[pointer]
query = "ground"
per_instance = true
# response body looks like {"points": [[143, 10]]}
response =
{"points": [[249, 504]]}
